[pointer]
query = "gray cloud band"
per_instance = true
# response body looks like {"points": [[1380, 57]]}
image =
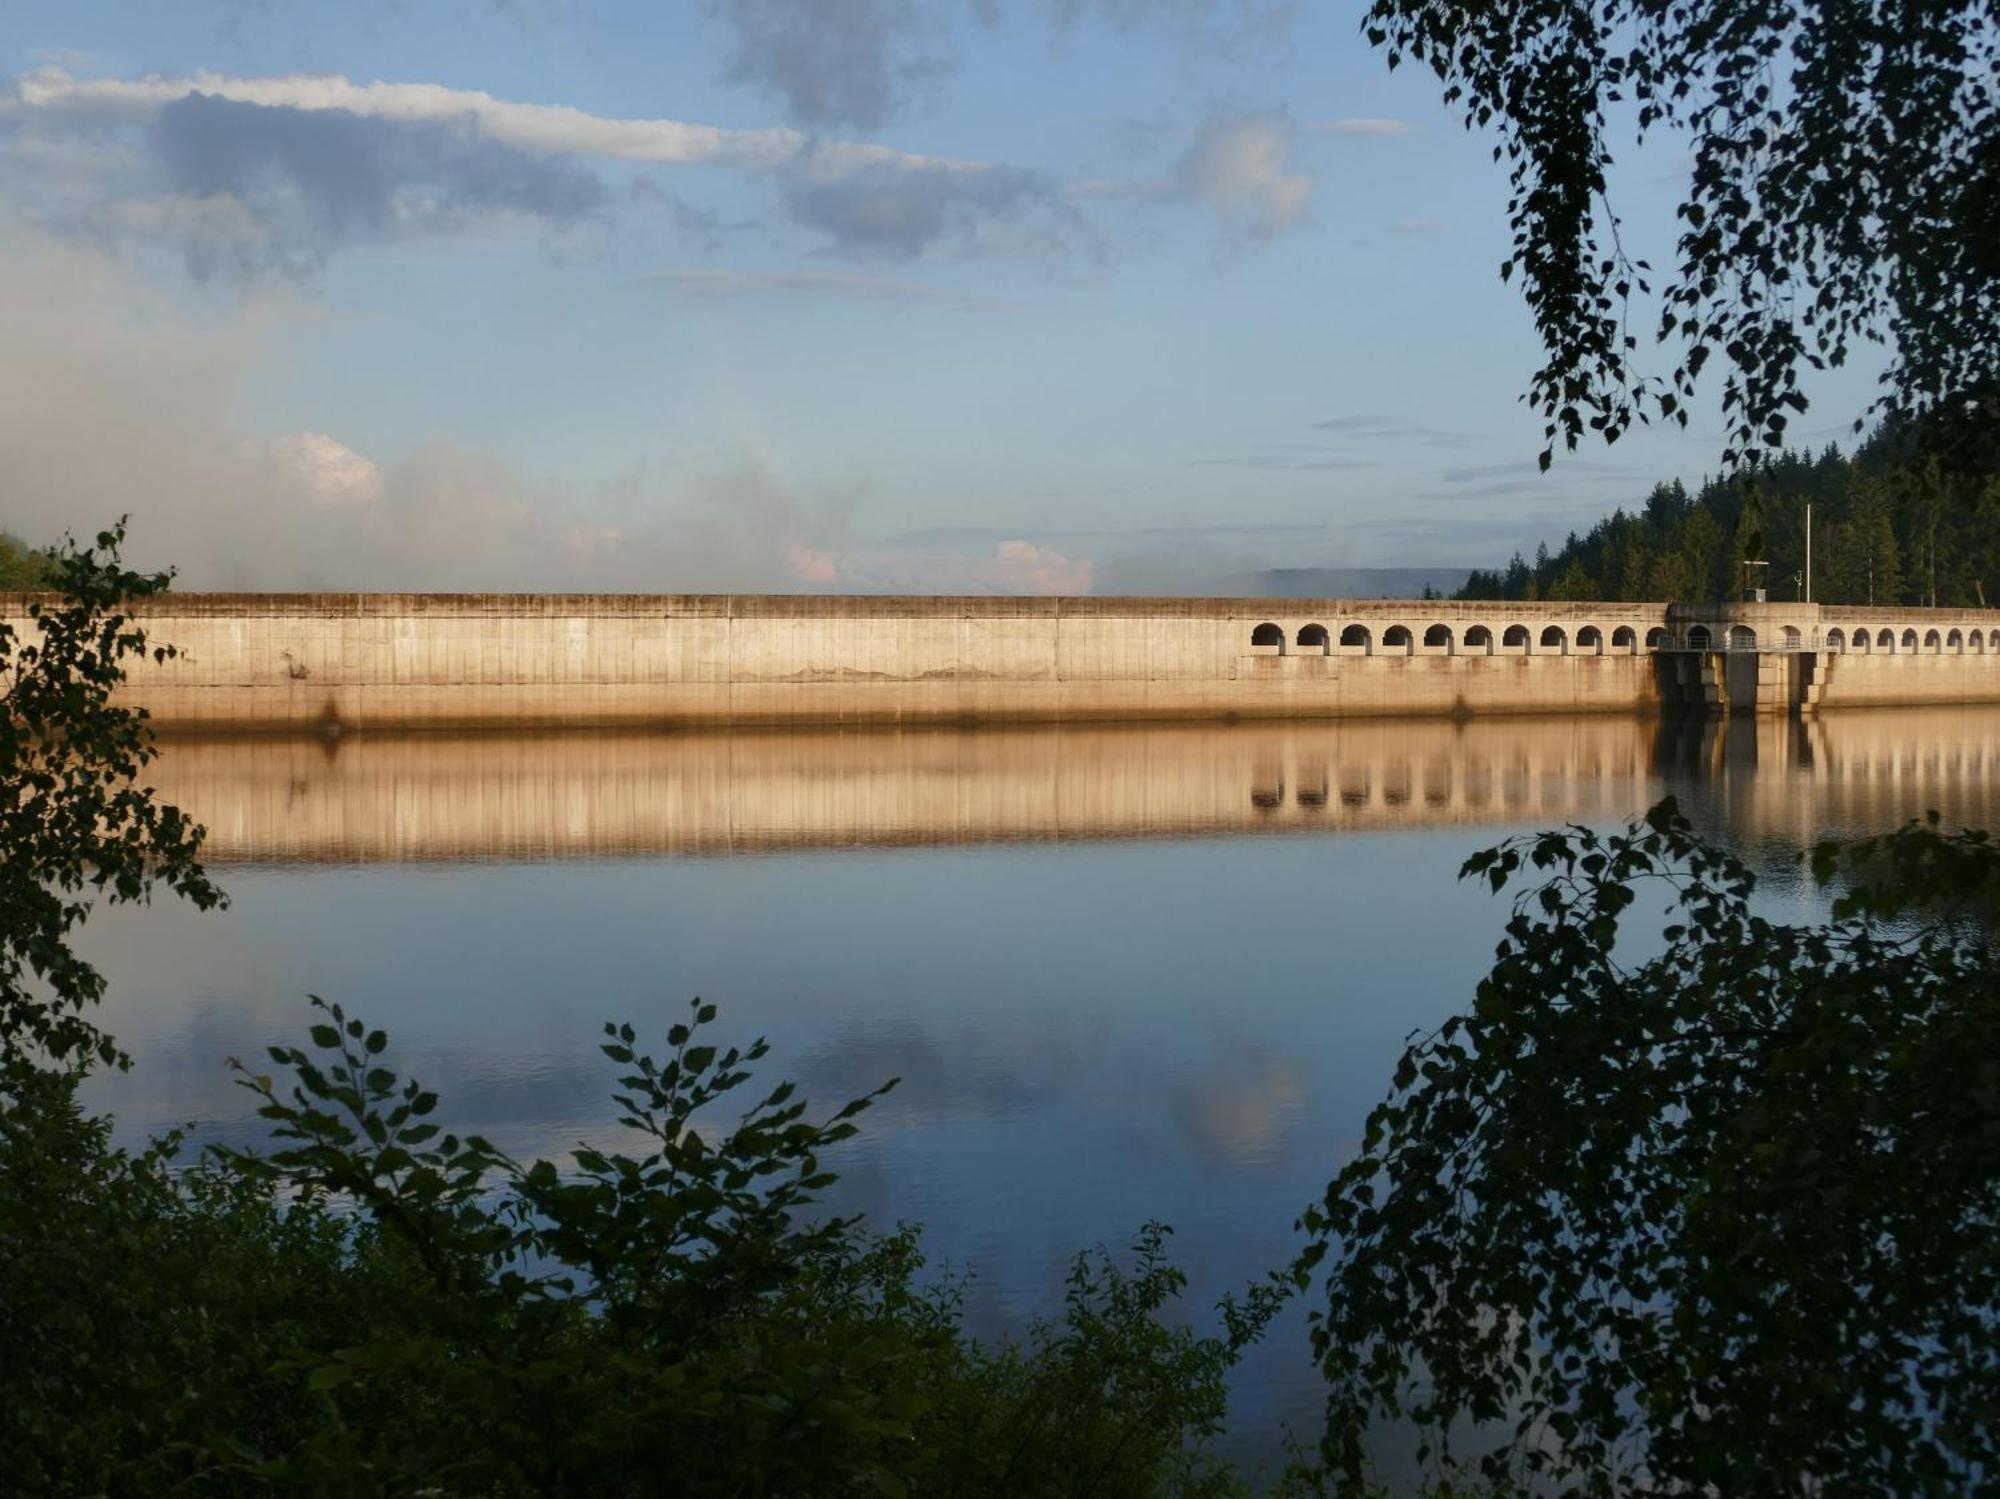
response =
{"points": [[255, 176], [307, 182]]}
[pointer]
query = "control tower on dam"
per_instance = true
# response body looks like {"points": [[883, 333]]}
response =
{"points": [[338, 662]]}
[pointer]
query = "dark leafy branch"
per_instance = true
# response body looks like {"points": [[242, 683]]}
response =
{"points": [[1843, 187], [76, 821], [1715, 1210]]}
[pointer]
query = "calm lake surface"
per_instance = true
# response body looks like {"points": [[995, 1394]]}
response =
{"points": [[1123, 973]]}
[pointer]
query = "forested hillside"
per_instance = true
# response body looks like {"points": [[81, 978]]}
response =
{"points": [[1888, 527], [21, 566]]}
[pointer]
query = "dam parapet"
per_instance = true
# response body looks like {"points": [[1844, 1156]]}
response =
{"points": [[337, 662]]}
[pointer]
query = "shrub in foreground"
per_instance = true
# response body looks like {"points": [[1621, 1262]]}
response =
{"points": [[373, 1305]]}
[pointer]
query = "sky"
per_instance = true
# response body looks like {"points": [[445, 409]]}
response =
{"points": [[1018, 296]]}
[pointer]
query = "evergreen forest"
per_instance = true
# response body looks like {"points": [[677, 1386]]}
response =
{"points": [[1888, 527]]}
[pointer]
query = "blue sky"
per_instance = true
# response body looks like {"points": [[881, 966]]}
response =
{"points": [[901, 294]]}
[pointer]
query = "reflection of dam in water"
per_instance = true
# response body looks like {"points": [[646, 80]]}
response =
{"points": [[449, 797], [1796, 782]]}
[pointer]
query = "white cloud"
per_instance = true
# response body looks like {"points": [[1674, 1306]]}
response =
{"points": [[253, 176], [112, 399], [1240, 165], [1023, 567], [545, 129], [329, 471], [811, 565]]}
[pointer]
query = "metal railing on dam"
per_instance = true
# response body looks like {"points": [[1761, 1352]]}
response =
{"points": [[450, 661]]}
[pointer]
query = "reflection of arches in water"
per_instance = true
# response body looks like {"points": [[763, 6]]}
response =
{"points": [[1314, 784], [1656, 639], [1438, 784], [1313, 638], [1397, 638], [1698, 638], [1357, 637], [1590, 641], [1516, 638], [1438, 637], [1742, 638], [1268, 637], [1836, 640], [732, 793], [1479, 638], [1626, 639], [1553, 639]]}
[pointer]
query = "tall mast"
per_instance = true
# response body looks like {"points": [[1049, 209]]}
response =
{"points": [[1808, 551]]}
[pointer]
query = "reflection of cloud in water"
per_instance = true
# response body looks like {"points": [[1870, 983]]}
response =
{"points": [[981, 1074], [1242, 1107]]}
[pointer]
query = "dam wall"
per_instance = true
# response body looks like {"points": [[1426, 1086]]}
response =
{"points": [[520, 661], [431, 661]]}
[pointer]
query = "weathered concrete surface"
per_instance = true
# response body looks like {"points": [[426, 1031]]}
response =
{"points": [[1800, 658], [463, 661], [370, 661]]}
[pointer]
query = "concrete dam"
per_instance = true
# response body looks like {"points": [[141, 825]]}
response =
{"points": [[338, 662]]}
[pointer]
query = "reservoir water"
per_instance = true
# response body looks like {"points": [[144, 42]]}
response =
{"points": [[1124, 974]]}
